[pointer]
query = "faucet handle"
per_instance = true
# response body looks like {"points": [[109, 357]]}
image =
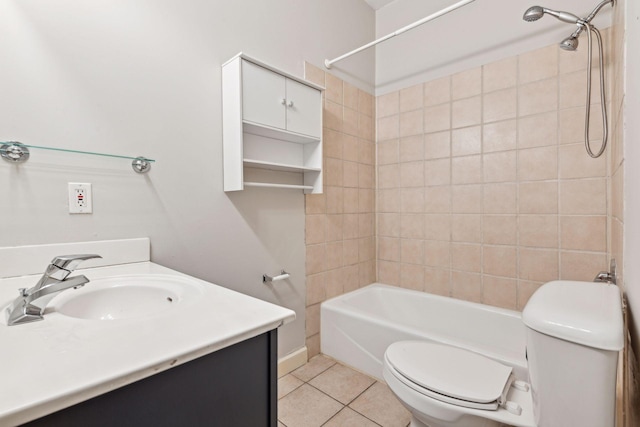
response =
{"points": [[71, 262]]}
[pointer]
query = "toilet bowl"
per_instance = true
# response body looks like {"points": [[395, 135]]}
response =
{"points": [[445, 386], [573, 334]]}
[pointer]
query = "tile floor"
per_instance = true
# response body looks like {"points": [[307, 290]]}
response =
{"points": [[326, 393]]}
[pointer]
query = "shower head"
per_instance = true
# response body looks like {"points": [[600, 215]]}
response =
{"points": [[536, 12], [570, 43]]}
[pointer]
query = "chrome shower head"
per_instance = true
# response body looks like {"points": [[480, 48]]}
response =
{"points": [[535, 12], [570, 43]]}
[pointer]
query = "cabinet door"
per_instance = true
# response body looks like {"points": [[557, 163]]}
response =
{"points": [[304, 109], [263, 95]]}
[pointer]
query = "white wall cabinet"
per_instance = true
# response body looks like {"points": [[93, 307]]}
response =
{"points": [[272, 128]]}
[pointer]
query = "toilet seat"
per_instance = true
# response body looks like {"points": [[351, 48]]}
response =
{"points": [[450, 374]]}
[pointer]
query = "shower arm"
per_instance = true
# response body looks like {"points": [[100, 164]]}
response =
{"points": [[597, 9]]}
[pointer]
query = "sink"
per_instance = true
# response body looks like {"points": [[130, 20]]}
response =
{"points": [[126, 297]]}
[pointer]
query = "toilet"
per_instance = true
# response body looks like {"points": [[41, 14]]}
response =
{"points": [[574, 332]]}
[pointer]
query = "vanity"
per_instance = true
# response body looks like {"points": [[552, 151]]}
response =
{"points": [[138, 345]]}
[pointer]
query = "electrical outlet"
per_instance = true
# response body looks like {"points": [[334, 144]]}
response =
{"points": [[80, 198]]}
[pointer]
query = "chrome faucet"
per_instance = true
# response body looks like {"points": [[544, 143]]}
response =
{"points": [[30, 304]]}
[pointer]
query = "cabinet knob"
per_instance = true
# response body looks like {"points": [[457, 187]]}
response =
{"points": [[283, 101], [290, 104]]}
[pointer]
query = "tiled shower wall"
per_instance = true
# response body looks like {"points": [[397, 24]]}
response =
{"points": [[339, 231], [484, 188]]}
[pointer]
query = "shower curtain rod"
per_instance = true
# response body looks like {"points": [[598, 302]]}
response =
{"points": [[328, 63]]}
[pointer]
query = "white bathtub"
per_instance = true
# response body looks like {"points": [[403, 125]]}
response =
{"points": [[357, 327]]}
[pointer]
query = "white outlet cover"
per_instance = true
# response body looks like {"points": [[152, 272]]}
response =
{"points": [[80, 198]]}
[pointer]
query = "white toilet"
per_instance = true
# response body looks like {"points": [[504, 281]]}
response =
{"points": [[574, 332]]}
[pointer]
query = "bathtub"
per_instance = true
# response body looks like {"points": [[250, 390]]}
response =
{"points": [[356, 328]]}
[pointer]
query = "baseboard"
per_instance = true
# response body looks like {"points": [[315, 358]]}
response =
{"points": [[292, 361]]}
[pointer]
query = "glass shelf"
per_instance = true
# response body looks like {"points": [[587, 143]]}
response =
{"points": [[17, 152]]}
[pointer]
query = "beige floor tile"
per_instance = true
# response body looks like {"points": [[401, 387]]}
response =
{"points": [[306, 407], [380, 405], [349, 418], [314, 367], [287, 384], [342, 383]]}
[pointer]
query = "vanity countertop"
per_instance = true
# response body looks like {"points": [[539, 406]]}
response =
{"points": [[60, 361]]}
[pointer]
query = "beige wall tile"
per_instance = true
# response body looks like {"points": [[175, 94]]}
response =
{"points": [[466, 170], [466, 141], [411, 123], [389, 248], [351, 276], [412, 226], [538, 265], [388, 128], [437, 118], [538, 131], [499, 105], [350, 252], [315, 259], [389, 272], [500, 198], [332, 117], [350, 226], [315, 288], [332, 144], [333, 172], [412, 174], [500, 292], [437, 145], [412, 251], [389, 176], [437, 227], [437, 199], [388, 224], [315, 229], [366, 200], [350, 200], [574, 162], [582, 265], [412, 98], [313, 74], [466, 286], [538, 197], [388, 105], [583, 196], [500, 166], [586, 233], [466, 199], [388, 152], [500, 74], [389, 200], [315, 203], [538, 64], [350, 121], [350, 174], [366, 176], [350, 96], [499, 136], [538, 163], [333, 255], [312, 321], [499, 230], [437, 254], [437, 91], [466, 228], [538, 231], [366, 127], [437, 281], [500, 261], [466, 112], [466, 257], [333, 89], [412, 148], [573, 61], [335, 200], [538, 97], [412, 276], [350, 148], [366, 224], [437, 172], [617, 194], [525, 290], [467, 83], [573, 89], [366, 249], [412, 200], [366, 103]]}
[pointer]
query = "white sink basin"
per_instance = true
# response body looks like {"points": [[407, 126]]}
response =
{"points": [[126, 297]]}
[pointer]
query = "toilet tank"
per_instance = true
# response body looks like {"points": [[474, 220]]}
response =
{"points": [[574, 333]]}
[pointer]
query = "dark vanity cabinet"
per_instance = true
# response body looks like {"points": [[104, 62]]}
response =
{"points": [[232, 387]]}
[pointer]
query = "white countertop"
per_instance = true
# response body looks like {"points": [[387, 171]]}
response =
{"points": [[60, 361]]}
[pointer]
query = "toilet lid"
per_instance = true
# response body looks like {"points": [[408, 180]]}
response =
{"points": [[450, 371]]}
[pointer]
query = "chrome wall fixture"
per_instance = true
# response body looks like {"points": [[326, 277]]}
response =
{"points": [[17, 152], [282, 276], [571, 44]]}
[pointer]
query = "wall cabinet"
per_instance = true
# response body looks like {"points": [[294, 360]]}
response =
{"points": [[272, 128]]}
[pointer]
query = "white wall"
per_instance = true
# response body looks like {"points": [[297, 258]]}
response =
{"points": [[632, 166], [478, 33], [143, 78]]}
